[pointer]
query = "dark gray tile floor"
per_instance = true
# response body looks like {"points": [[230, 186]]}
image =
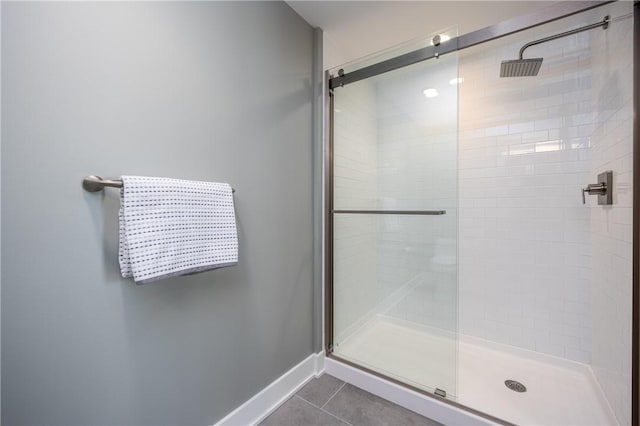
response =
{"points": [[329, 401]]}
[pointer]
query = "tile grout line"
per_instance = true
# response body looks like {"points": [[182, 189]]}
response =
{"points": [[334, 394], [324, 411], [339, 418], [295, 394]]}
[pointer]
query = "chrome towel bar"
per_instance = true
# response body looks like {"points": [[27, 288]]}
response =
{"points": [[96, 183]]}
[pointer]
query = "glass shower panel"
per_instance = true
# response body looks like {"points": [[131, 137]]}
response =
{"points": [[395, 223]]}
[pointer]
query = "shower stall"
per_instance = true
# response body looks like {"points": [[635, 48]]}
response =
{"points": [[480, 229]]}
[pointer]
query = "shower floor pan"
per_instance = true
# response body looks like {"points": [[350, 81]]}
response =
{"points": [[558, 391]]}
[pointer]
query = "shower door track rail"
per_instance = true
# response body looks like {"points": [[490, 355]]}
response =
{"points": [[512, 26]]}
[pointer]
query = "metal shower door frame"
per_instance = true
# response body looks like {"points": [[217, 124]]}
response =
{"points": [[550, 14]]}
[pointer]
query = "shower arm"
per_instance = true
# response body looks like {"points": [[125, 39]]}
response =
{"points": [[604, 24]]}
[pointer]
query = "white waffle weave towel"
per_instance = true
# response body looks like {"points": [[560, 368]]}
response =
{"points": [[171, 227]]}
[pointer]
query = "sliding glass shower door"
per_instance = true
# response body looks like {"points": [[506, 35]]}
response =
{"points": [[394, 221]]}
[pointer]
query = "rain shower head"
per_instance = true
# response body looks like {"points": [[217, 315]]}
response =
{"points": [[530, 67], [520, 67]]}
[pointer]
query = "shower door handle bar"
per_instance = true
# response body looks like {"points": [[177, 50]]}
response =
{"points": [[398, 212]]}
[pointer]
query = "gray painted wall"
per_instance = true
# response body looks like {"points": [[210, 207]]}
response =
{"points": [[209, 91]]}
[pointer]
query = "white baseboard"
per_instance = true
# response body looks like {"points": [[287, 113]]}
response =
{"points": [[411, 400], [267, 400]]}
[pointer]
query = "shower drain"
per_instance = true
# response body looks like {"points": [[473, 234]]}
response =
{"points": [[515, 386]]}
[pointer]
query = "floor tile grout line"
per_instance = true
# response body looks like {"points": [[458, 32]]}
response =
{"points": [[334, 394], [324, 411], [310, 402], [302, 398], [339, 418]]}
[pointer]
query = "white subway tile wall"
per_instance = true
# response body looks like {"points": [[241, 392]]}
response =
{"points": [[524, 234], [538, 269], [611, 227]]}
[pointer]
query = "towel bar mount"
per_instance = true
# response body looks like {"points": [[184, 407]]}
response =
{"points": [[96, 183]]}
